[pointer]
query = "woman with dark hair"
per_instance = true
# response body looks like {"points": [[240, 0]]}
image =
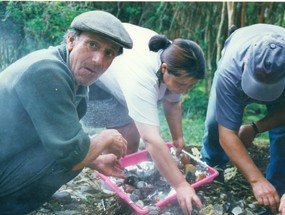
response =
{"points": [[126, 98]]}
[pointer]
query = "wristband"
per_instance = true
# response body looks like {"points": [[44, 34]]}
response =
{"points": [[255, 128]]}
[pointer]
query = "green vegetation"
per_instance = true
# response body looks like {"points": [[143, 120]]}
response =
{"points": [[30, 25], [194, 114]]}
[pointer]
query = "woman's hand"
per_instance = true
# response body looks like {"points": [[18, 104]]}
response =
{"points": [[186, 196]]}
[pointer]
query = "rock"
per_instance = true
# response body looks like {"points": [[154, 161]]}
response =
{"points": [[87, 189], [136, 195], [231, 194], [140, 203], [218, 209], [153, 210], [67, 212], [237, 210], [62, 197]]}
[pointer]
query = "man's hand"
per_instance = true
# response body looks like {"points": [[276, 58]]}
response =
{"points": [[263, 191], [266, 194], [116, 143], [186, 195], [282, 205], [246, 134], [108, 165], [108, 141], [179, 145]]}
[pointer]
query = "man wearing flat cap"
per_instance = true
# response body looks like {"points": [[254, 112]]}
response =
{"points": [[251, 70], [43, 97]]}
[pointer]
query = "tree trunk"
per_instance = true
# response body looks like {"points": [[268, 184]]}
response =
{"points": [[243, 14], [281, 18], [261, 14], [219, 40], [8, 54], [207, 40], [269, 10], [231, 14]]}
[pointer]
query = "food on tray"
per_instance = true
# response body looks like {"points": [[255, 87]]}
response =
{"points": [[145, 188]]}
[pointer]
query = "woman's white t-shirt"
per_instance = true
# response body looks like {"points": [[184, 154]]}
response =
{"points": [[132, 79]]}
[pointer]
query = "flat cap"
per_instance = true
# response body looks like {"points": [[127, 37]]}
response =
{"points": [[103, 23]]}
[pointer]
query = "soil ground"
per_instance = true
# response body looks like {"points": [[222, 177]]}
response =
{"points": [[86, 196]]}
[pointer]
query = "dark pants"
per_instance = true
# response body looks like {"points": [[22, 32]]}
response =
{"points": [[29, 180]]}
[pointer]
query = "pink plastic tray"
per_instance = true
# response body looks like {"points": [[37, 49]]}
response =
{"points": [[139, 157]]}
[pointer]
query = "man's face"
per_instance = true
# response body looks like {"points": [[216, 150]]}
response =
{"points": [[90, 56]]}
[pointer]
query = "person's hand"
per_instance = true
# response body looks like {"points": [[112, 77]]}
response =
{"points": [[108, 165], [179, 145], [282, 205], [116, 143], [246, 135], [108, 141], [266, 194], [186, 196]]}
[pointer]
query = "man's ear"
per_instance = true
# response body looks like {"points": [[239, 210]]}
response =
{"points": [[70, 41], [163, 68]]}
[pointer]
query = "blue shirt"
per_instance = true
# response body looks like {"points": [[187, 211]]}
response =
{"points": [[231, 100]]}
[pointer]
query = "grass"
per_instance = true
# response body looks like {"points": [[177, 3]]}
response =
{"points": [[193, 129]]}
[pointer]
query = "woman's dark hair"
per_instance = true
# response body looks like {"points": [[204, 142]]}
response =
{"points": [[181, 55]]}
